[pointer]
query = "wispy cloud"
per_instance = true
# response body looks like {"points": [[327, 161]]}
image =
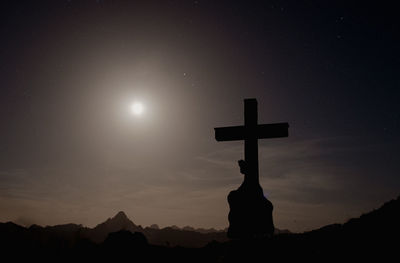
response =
{"points": [[311, 182], [312, 174]]}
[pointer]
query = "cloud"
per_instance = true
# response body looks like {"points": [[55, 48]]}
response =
{"points": [[311, 182], [309, 179]]}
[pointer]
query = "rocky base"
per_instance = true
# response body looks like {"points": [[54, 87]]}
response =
{"points": [[250, 214]]}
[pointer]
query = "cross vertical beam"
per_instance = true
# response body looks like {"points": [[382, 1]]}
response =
{"points": [[250, 141]]}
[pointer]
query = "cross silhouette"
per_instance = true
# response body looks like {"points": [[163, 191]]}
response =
{"points": [[250, 133]]}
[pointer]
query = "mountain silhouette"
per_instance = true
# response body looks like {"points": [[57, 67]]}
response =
{"points": [[119, 222], [371, 236], [171, 236]]}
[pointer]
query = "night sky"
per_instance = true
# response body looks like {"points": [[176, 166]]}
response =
{"points": [[72, 151]]}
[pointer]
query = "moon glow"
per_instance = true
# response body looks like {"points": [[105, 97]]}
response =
{"points": [[137, 108]]}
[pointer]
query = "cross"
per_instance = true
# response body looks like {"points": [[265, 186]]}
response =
{"points": [[250, 133]]}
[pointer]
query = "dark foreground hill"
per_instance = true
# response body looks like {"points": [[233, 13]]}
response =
{"points": [[373, 236]]}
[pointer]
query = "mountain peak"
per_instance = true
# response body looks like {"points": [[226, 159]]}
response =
{"points": [[119, 222], [120, 215], [120, 219]]}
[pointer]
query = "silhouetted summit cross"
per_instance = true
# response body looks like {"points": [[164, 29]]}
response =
{"points": [[250, 133]]}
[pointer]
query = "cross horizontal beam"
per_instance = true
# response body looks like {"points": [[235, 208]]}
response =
{"points": [[263, 131]]}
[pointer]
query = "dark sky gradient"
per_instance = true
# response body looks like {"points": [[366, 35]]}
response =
{"points": [[70, 151]]}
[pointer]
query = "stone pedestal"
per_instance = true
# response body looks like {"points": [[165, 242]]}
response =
{"points": [[250, 213]]}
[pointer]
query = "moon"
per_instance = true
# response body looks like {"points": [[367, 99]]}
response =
{"points": [[137, 108]]}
